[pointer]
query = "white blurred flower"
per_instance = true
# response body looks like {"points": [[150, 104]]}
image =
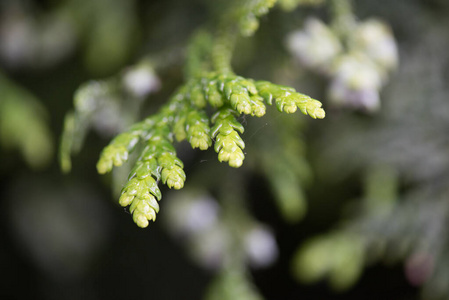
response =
{"points": [[26, 42], [57, 39], [141, 81], [341, 94], [358, 72], [201, 214], [108, 120], [89, 96], [192, 214], [375, 39], [17, 42], [356, 82], [315, 46], [260, 247]]}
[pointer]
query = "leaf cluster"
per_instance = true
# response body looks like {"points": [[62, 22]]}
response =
{"points": [[185, 117]]}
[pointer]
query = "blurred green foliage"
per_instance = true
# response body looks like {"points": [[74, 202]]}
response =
{"points": [[23, 124]]}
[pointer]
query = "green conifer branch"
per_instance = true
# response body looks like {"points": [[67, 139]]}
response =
{"points": [[67, 140], [290, 5], [198, 60], [288, 100], [117, 152], [184, 117], [223, 48], [249, 12], [228, 143], [94, 99], [198, 130], [289, 173], [233, 283], [342, 266], [210, 81], [241, 17], [158, 161]]}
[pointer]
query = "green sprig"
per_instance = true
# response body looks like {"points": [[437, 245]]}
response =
{"points": [[288, 100], [185, 117], [158, 160], [249, 14], [198, 130], [228, 143], [117, 152], [210, 81]]}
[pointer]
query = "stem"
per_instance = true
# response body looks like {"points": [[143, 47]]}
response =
{"points": [[343, 20], [235, 216], [223, 47]]}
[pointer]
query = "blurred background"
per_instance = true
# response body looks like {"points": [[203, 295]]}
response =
{"points": [[376, 181]]}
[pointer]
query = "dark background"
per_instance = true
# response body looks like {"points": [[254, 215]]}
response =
{"points": [[63, 237]]}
